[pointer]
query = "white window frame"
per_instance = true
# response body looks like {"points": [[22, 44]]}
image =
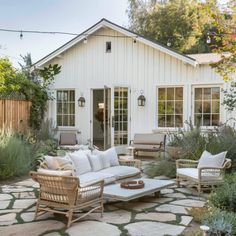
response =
{"points": [[157, 108], [220, 86], [63, 126]]}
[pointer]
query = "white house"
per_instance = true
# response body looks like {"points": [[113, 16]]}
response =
{"points": [[110, 67]]}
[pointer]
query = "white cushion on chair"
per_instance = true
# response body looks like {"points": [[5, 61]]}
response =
{"points": [[81, 162], [193, 173], [209, 160], [55, 172]]}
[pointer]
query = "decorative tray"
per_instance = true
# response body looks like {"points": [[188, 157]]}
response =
{"points": [[132, 184]]}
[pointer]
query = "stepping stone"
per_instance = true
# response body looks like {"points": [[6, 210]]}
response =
{"points": [[114, 217], [172, 208], [8, 219], [91, 228], [156, 199], [33, 228], [24, 195], [167, 190], [27, 182], [23, 203], [16, 189], [162, 177], [52, 234], [4, 204], [163, 217], [175, 195], [145, 228], [185, 190], [29, 216], [10, 211], [31, 208], [137, 206], [5, 196], [185, 220], [189, 203]]}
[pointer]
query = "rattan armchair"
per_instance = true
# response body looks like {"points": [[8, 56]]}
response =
{"points": [[201, 177], [63, 195]]}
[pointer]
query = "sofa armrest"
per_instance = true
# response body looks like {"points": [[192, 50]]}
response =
{"points": [[134, 163], [218, 171], [186, 163]]}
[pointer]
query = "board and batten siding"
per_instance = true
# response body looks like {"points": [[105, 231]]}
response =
{"points": [[134, 65]]}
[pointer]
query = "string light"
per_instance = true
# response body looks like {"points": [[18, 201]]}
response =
{"points": [[169, 42], [21, 35], [208, 40], [85, 40]]}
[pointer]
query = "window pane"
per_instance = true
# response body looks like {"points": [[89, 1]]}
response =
{"points": [[65, 107], [170, 93], [207, 94], [71, 108], [178, 121], [178, 107], [72, 120], [59, 108], [170, 121], [161, 121], [170, 108], [206, 120], [198, 119], [198, 93], [65, 119], [178, 93], [59, 120], [206, 107], [161, 107], [72, 96], [215, 93], [65, 95], [198, 107], [161, 94], [215, 120], [215, 107]]}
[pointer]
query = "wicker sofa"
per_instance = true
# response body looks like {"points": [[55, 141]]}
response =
{"points": [[91, 167]]}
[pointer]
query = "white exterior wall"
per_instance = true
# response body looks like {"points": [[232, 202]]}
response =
{"points": [[134, 65]]}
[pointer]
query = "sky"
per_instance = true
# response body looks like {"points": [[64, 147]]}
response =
{"points": [[73, 16]]}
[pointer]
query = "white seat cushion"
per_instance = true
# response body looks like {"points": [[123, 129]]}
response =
{"points": [[193, 173], [81, 162], [92, 177], [121, 172], [55, 172], [209, 160]]}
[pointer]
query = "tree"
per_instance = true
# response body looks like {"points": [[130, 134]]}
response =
{"points": [[26, 67], [183, 23]]}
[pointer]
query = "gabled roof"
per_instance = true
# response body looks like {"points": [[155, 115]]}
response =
{"points": [[122, 30]]}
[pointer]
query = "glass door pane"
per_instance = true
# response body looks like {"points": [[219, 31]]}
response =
{"points": [[107, 117]]}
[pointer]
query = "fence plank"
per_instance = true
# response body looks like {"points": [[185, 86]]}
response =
{"points": [[14, 114]]}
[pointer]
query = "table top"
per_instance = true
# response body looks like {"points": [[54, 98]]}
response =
{"points": [[114, 191]]}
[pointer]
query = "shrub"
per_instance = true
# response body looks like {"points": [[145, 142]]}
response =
{"points": [[221, 223], [164, 167], [15, 155], [224, 197], [198, 213]]}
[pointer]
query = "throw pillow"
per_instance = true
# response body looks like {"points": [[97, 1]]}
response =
{"points": [[105, 160], [95, 162], [51, 162], [81, 162], [209, 160], [65, 163], [111, 152]]}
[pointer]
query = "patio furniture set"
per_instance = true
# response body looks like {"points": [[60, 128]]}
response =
{"points": [[85, 179]]}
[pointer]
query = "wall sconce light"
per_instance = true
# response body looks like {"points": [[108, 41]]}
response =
{"points": [[81, 101], [101, 105], [141, 99]]}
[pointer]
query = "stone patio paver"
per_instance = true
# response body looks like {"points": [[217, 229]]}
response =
{"points": [[175, 195], [189, 203], [5, 196], [16, 189], [4, 204], [23, 203], [185, 220], [8, 219], [167, 190], [137, 206], [92, 228], [153, 229], [162, 217], [29, 216], [33, 228], [172, 209], [24, 195]]}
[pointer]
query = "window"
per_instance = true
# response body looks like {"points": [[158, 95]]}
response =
{"points": [[66, 108], [121, 115], [170, 107], [108, 46], [207, 106]]}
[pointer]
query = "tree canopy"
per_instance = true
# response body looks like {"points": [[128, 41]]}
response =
{"points": [[182, 23]]}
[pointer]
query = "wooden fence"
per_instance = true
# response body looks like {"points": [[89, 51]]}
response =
{"points": [[14, 114]]}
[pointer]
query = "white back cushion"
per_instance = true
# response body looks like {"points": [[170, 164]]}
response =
{"points": [[81, 162], [96, 162], [111, 152], [209, 160], [105, 160]]}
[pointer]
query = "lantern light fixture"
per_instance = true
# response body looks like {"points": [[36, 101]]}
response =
{"points": [[81, 101], [141, 99]]}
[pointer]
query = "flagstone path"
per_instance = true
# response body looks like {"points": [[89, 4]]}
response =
{"points": [[147, 216]]}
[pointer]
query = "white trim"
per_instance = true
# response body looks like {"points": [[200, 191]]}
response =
{"points": [[119, 29]]}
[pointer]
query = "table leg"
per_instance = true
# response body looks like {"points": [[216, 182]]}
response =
{"points": [[157, 194]]}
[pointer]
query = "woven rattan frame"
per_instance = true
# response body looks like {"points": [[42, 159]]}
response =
{"points": [[202, 180], [63, 195]]}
